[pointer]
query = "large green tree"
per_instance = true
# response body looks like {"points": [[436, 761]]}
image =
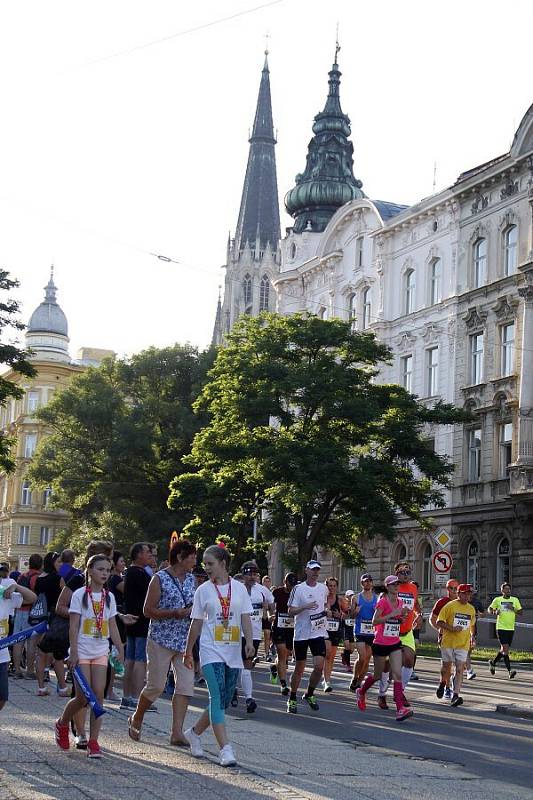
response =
{"points": [[11, 356], [300, 428], [117, 436]]}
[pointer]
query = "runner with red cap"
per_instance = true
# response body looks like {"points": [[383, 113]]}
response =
{"points": [[457, 621], [451, 588]]}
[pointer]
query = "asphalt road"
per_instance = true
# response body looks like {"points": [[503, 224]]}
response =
{"points": [[473, 736]]}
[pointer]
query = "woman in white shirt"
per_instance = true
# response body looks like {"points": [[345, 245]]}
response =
{"points": [[220, 616]]}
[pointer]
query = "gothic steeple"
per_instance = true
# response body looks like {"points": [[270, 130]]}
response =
{"points": [[328, 181], [258, 224]]}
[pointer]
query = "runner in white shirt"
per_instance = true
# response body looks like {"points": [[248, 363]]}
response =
{"points": [[12, 596], [261, 599], [307, 604], [220, 616]]}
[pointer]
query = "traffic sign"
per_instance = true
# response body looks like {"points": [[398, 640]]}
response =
{"points": [[440, 578], [442, 561], [442, 537]]}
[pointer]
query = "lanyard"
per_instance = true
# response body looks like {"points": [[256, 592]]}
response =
{"points": [[98, 615], [225, 603], [179, 587]]}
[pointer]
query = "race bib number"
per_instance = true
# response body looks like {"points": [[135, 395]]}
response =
{"points": [[332, 625], [391, 629], [407, 599], [318, 622], [462, 621], [225, 631], [349, 623], [284, 621], [257, 612], [4, 628], [367, 627], [507, 607], [89, 628]]}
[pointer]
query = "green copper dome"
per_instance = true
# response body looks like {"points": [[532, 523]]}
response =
{"points": [[328, 181]]}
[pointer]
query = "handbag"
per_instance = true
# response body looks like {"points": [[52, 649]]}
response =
{"points": [[56, 638], [39, 611]]}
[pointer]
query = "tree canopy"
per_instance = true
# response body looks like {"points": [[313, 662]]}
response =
{"points": [[301, 430]]}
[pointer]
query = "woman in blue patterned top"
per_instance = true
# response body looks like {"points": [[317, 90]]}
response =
{"points": [[168, 606]]}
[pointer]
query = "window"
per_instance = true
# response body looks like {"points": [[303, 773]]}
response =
{"points": [[24, 534], [351, 310], [46, 536], [247, 292], [264, 293], [476, 358], [367, 309], [293, 250], [503, 562], [47, 494], [480, 262], [427, 568], [30, 443], [432, 360], [474, 454], [507, 348], [406, 370], [510, 248], [409, 291], [505, 448], [435, 282], [25, 495], [321, 313], [472, 564], [359, 251], [32, 402]]}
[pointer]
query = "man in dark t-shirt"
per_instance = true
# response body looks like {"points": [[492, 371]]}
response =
{"points": [[136, 581]]}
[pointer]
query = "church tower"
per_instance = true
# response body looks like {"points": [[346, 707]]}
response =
{"points": [[252, 257]]}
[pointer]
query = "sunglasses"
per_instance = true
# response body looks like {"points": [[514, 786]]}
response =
{"points": [[404, 572]]}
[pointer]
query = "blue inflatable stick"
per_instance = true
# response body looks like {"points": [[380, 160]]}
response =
{"points": [[15, 638], [88, 692]]}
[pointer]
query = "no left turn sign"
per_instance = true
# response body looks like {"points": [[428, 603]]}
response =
{"points": [[442, 561]]}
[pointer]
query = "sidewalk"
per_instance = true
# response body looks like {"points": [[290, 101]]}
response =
{"points": [[272, 763]]}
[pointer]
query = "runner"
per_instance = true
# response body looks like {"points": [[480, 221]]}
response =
{"points": [[92, 623], [451, 588], [348, 625], [364, 605], [220, 616], [283, 632], [266, 623], [333, 627], [456, 620], [261, 599], [506, 608], [480, 612], [307, 604], [388, 616], [11, 598]]}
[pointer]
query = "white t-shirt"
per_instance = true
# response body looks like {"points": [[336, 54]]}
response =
{"points": [[7, 609], [91, 642], [217, 641], [311, 623], [259, 595]]}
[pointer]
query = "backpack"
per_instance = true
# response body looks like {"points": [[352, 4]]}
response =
{"points": [[39, 610], [24, 580]]}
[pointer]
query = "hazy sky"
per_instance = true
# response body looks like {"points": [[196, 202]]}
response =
{"points": [[107, 156]]}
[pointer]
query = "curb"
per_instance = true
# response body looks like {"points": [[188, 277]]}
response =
{"points": [[515, 711]]}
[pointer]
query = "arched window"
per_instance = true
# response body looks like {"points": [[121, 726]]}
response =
{"points": [[510, 247], [480, 262], [503, 562], [351, 310], [409, 291], [247, 293], [367, 308], [435, 282], [427, 568], [472, 564], [398, 553], [293, 250], [264, 293]]}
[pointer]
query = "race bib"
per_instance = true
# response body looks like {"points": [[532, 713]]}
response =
{"points": [[332, 625], [89, 628], [349, 623], [284, 621], [407, 599], [367, 627], [318, 622], [4, 628], [257, 612], [462, 621], [229, 633], [391, 629], [507, 607]]}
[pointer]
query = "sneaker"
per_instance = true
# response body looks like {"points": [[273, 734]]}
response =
{"points": [[292, 707], [235, 699], [43, 692], [251, 705], [361, 700], [470, 674], [273, 678], [492, 667], [448, 693], [403, 713], [456, 701], [512, 674], [327, 687], [93, 749], [354, 685], [414, 677], [268, 658], [227, 757], [195, 742], [66, 692], [127, 704], [285, 690], [382, 702], [80, 742], [311, 701], [440, 690], [62, 735]]}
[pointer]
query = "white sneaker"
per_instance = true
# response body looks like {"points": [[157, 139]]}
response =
{"points": [[327, 686], [195, 743], [227, 756]]}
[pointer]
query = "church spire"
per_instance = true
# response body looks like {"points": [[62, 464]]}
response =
{"points": [[258, 221]]}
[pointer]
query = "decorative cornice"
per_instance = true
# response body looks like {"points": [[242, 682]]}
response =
{"points": [[474, 318]]}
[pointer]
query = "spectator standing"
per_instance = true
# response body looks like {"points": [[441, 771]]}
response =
{"points": [[136, 584], [11, 598], [27, 580], [67, 570], [49, 584]]}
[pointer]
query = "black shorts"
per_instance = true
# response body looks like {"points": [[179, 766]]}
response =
{"points": [[266, 625], [316, 646], [505, 637], [334, 637], [365, 638], [385, 650], [257, 642], [283, 636], [348, 633]]}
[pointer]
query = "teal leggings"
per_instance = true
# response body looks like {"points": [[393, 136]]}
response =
{"points": [[221, 682]]}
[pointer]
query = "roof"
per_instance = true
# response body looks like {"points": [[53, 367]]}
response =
{"points": [[48, 317], [388, 210]]}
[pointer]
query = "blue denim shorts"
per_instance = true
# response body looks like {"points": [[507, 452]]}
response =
{"points": [[3, 681], [21, 621], [135, 648]]}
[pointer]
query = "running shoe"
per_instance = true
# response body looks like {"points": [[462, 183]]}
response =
{"points": [[456, 701], [127, 704], [403, 713], [492, 667], [235, 699], [311, 701], [292, 707], [361, 700], [512, 674], [354, 685], [62, 735], [251, 705], [285, 690], [382, 702], [414, 677], [43, 692], [93, 749], [327, 687], [66, 692], [268, 658], [273, 677], [440, 690], [80, 742], [227, 756], [448, 693], [195, 742], [470, 674]]}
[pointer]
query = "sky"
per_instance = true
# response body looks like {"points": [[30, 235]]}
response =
{"points": [[124, 128]]}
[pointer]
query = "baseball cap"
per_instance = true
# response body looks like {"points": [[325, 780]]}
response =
{"points": [[367, 577], [452, 584], [464, 587], [313, 565], [349, 593], [390, 579]]}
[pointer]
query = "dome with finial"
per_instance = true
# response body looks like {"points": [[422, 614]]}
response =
{"points": [[47, 330], [328, 181]]}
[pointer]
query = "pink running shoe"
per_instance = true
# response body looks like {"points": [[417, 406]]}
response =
{"points": [[62, 735], [361, 700], [403, 713], [93, 749]]}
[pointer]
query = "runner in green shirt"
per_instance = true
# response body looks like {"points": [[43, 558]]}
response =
{"points": [[506, 608]]}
